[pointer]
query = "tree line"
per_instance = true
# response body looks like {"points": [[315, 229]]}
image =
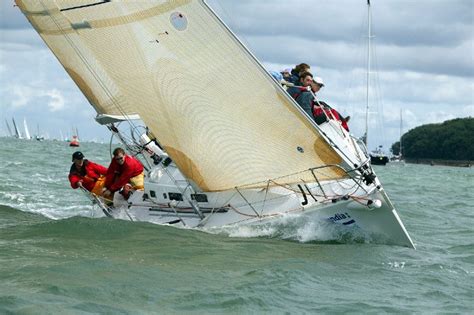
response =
{"points": [[450, 140]]}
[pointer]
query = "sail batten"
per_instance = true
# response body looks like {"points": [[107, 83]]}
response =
{"points": [[217, 113]]}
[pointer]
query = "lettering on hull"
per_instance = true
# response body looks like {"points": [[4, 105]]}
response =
{"points": [[343, 218]]}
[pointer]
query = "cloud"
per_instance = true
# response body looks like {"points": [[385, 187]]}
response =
{"points": [[400, 22], [57, 100], [438, 40], [21, 95]]}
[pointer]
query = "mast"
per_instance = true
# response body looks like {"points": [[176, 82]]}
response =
{"points": [[401, 129], [369, 22]]}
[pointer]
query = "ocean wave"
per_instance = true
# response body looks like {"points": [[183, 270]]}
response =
{"points": [[296, 228]]}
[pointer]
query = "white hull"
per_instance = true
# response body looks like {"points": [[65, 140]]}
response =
{"points": [[342, 203], [378, 223]]}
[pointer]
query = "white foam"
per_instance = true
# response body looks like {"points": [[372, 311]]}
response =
{"points": [[396, 264], [289, 227]]}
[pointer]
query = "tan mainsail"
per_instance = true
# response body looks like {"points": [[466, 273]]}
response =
{"points": [[217, 113]]}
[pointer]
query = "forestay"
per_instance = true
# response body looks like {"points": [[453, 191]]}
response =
{"points": [[215, 110]]}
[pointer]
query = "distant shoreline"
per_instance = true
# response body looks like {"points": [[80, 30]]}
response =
{"points": [[457, 163]]}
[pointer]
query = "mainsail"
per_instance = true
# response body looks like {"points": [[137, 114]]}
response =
{"points": [[215, 110]]}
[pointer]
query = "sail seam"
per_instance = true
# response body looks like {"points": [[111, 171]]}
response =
{"points": [[85, 5]]}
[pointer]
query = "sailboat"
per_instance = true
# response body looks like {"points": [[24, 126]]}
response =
{"points": [[38, 137], [75, 138], [27, 132], [377, 156], [10, 132], [216, 156], [399, 157], [17, 131]]}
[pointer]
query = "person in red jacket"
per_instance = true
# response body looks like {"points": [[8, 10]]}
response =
{"points": [[124, 173], [86, 174], [322, 111]]}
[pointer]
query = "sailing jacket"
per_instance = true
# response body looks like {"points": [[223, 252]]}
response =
{"points": [[303, 97], [320, 112], [88, 174], [294, 77], [119, 175]]}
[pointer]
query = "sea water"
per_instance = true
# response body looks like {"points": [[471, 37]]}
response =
{"points": [[57, 255]]}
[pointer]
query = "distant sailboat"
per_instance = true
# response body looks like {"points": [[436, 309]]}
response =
{"points": [[74, 142], [17, 131], [400, 154], [38, 137], [399, 157], [377, 157], [10, 132], [75, 138], [27, 132]]}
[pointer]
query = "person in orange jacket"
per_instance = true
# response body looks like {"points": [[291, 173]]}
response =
{"points": [[124, 173], [86, 174]]}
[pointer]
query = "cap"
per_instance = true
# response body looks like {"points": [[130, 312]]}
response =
{"points": [[288, 70], [77, 156], [318, 80]]}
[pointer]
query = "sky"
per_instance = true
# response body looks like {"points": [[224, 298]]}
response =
{"points": [[423, 62]]}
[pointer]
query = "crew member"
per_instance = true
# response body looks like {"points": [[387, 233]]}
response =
{"points": [[124, 173], [86, 174], [322, 111]]}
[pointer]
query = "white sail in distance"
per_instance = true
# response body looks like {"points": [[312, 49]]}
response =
{"points": [[27, 132], [17, 130], [9, 129], [214, 109]]}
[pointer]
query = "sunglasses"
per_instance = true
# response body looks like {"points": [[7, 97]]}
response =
{"points": [[118, 159]]}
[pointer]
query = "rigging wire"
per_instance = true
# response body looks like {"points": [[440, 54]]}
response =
{"points": [[379, 97]]}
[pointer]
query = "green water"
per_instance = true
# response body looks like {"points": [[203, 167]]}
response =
{"points": [[56, 258]]}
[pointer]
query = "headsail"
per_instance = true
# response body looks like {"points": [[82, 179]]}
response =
{"points": [[214, 109]]}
